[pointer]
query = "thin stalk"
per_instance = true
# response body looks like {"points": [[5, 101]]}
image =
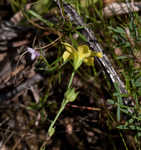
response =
{"points": [[58, 114], [71, 79]]}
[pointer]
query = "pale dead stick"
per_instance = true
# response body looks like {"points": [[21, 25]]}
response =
{"points": [[19, 15], [121, 8]]}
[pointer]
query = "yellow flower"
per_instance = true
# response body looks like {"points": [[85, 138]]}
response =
{"points": [[82, 54], [69, 51]]}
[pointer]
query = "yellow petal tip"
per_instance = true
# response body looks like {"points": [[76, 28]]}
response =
{"points": [[99, 54]]}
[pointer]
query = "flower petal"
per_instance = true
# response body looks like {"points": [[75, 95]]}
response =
{"points": [[68, 47], [33, 53], [33, 56], [66, 56], [84, 51], [30, 50], [69, 51], [89, 61], [99, 54]]}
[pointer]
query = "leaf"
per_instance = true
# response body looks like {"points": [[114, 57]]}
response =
{"points": [[33, 13]]}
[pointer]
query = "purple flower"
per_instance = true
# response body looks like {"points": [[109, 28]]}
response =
{"points": [[33, 53]]}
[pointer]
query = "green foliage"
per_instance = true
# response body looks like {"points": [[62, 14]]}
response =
{"points": [[42, 6], [34, 14], [17, 4]]}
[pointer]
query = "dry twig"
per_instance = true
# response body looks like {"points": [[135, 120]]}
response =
{"points": [[121, 8]]}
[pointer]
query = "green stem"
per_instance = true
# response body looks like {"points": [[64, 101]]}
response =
{"points": [[62, 105], [70, 82], [44, 59], [58, 114]]}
